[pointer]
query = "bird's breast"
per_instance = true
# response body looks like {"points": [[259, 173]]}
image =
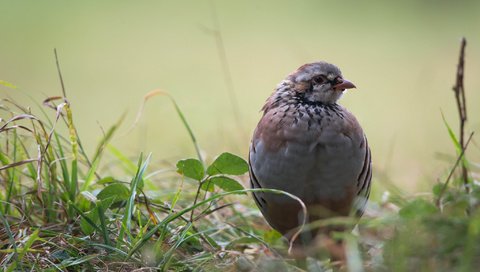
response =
{"points": [[312, 152]]}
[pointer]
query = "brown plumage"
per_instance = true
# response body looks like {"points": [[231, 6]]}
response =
{"points": [[310, 146]]}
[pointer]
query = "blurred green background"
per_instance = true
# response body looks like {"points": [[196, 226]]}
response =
{"points": [[402, 56]]}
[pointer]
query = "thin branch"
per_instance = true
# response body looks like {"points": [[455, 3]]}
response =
{"points": [[197, 194], [207, 211], [17, 163], [460, 157], [462, 107]]}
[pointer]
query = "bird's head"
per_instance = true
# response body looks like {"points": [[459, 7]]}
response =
{"points": [[320, 82]]}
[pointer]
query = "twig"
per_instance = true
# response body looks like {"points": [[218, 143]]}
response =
{"points": [[198, 194], [462, 107], [207, 211], [460, 157]]}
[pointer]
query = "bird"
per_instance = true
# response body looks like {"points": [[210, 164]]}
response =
{"points": [[308, 145]]}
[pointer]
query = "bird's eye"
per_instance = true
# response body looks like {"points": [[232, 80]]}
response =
{"points": [[319, 79]]}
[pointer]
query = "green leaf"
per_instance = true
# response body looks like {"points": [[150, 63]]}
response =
{"points": [[191, 168], [99, 152], [7, 84], [437, 189], [225, 183], [174, 216], [418, 208], [272, 236], [88, 226], [453, 137], [228, 164], [88, 196], [106, 180], [208, 185], [120, 191], [90, 174]]}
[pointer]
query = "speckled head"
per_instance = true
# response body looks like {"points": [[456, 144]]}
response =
{"points": [[320, 82]]}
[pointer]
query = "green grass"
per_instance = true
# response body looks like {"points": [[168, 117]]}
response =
{"points": [[61, 209]]}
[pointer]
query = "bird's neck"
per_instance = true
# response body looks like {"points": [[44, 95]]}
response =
{"points": [[286, 94]]}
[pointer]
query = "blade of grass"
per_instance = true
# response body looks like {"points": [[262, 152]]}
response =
{"points": [[17, 164], [63, 163], [176, 197], [181, 238], [127, 217], [103, 225], [127, 164], [78, 260], [8, 84], [12, 180], [471, 249], [452, 135], [73, 185], [30, 167], [445, 185], [11, 238], [81, 240], [84, 216], [354, 258], [98, 153], [179, 113], [178, 214], [31, 239]]}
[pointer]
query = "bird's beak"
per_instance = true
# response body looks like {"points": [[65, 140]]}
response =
{"points": [[344, 84]]}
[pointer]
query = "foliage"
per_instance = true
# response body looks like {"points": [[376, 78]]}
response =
{"points": [[61, 209]]}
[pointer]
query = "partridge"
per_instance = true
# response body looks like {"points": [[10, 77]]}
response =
{"points": [[308, 145]]}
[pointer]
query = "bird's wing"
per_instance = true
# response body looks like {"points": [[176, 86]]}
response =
{"points": [[364, 182], [255, 185]]}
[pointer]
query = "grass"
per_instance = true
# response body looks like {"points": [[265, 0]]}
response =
{"points": [[62, 210]]}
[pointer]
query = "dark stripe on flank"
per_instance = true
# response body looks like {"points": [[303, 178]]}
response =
{"points": [[254, 184], [366, 165]]}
